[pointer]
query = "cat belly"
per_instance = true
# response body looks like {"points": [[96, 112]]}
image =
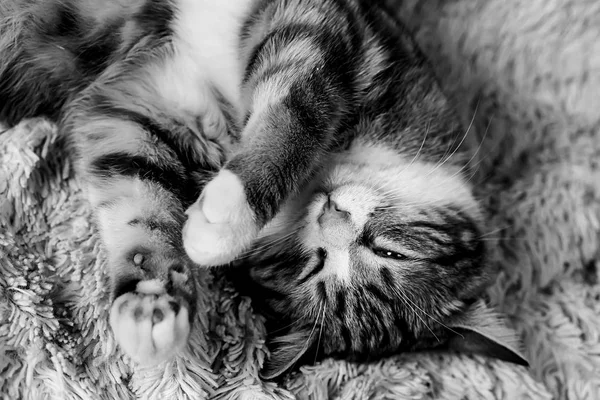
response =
{"points": [[205, 57]]}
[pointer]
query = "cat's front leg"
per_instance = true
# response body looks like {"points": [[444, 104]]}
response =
{"points": [[298, 86], [299, 90], [284, 142]]}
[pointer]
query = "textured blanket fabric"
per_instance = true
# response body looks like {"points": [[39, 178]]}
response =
{"points": [[526, 72]]}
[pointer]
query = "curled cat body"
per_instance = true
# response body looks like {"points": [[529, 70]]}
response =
{"points": [[306, 142]]}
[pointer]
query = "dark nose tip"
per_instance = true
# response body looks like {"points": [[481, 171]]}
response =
{"points": [[332, 211], [334, 207]]}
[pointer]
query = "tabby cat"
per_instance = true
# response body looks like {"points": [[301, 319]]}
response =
{"points": [[308, 140]]}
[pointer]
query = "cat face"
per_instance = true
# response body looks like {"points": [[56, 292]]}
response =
{"points": [[384, 256]]}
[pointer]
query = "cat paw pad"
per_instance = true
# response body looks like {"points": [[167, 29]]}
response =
{"points": [[221, 224], [150, 329]]}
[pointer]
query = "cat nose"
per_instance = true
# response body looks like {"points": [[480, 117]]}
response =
{"points": [[332, 211]]}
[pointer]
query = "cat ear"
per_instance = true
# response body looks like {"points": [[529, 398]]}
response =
{"points": [[481, 330], [286, 351]]}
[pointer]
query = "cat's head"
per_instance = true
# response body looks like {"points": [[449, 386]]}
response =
{"points": [[384, 254]]}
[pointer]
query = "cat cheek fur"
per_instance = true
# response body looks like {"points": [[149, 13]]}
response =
{"points": [[477, 330]]}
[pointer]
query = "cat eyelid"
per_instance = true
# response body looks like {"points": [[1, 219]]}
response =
{"points": [[391, 254], [391, 250]]}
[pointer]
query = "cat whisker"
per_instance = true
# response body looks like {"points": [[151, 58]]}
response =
{"points": [[500, 229], [420, 204], [405, 297], [502, 239], [393, 197], [420, 149], [476, 151], [283, 328], [321, 309], [269, 244], [448, 149], [278, 239], [443, 161], [474, 170], [320, 331]]}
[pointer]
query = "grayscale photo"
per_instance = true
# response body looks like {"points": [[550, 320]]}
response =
{"points": [[299, 199]]}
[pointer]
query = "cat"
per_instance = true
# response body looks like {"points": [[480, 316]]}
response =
{"points": [[305, 142]]}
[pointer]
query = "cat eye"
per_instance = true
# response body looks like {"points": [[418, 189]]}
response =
{"points": [[384, 253]]}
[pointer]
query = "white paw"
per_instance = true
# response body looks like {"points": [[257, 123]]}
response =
{"points": [[149, 328], [221, 224]]}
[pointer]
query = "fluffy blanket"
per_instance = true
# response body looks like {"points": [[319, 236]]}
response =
{"points": [[526, 71]]}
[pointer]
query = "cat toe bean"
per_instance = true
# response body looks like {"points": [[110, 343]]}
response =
{"points": [[150, 329]]}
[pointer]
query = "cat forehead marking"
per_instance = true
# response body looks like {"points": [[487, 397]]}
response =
{"points": [[404, 180]]}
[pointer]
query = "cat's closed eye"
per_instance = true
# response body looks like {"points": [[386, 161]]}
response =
{"points": [[390, 254]]}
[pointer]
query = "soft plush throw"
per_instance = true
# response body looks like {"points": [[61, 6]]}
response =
{"points": [[526, 73]]}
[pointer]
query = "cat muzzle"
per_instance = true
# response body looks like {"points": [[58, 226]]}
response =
{"points": [[336, 225]]}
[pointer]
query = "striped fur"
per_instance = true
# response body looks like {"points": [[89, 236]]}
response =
{"points": [[381, 254], [229, 111], [149, 129]]}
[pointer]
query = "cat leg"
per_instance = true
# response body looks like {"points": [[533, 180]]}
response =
{"points": [[152, 285], [293, 120], [137, 187], [298, 90]]}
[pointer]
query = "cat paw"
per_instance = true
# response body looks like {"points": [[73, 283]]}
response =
{"points": [[149, 328], [213, 122], [221, 224], [214, 126]]}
